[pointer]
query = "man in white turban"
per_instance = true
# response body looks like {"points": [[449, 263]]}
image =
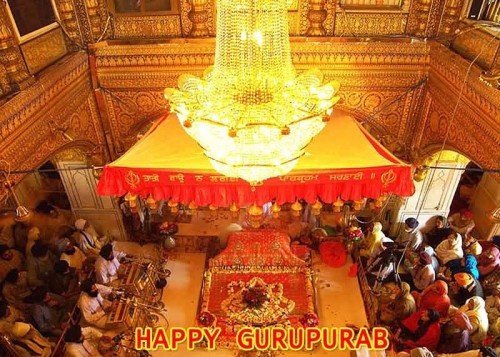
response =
{"points": [[88, 239]]}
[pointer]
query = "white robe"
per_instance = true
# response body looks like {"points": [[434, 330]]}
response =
{"points": [[88, 242], [89, 346], [92, 308], [447, 251], [107, 270]]}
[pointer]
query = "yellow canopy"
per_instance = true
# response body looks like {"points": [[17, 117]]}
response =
{"points": [[344, 160]]}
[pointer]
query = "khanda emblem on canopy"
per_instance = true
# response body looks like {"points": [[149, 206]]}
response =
{"points": [[388, 177], [132, 179]]}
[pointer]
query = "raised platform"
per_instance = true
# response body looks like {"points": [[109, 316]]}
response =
{"points": [[256, 261]]}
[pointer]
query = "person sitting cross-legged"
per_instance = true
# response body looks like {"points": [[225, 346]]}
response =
{"points": [[40, 264], [420, 329], [64, 281], [107, 265], [402, 305], [87, 238], [74, 256], [26, 340], [475, 310], [9, 259], [15, 289], [435, 296], [450, 248], [92, 303], [47, 311], [81, 342], [455, 336], [464, 287]]}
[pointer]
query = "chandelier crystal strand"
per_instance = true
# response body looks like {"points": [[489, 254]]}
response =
{"points": [[251, 113]]}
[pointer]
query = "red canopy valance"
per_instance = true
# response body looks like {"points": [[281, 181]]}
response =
{"points": [[344, 160]]}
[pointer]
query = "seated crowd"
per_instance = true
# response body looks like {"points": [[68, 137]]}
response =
{"points": [[438, 289], [48, 281]]}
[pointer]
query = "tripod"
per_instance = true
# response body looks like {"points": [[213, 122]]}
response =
{"points": [[388, 263]]}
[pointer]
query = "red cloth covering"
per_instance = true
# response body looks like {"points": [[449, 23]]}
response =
{"points": [[264, 247], [436, 297], [343, 160], [333, 253], [430, 339], [221, 191]]}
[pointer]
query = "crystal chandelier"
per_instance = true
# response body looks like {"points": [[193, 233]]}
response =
{"points": [[251, 113]]}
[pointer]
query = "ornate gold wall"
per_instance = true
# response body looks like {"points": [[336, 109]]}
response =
{"points": [[403, 89], [373, 75], [32, 122], [475, 127]]}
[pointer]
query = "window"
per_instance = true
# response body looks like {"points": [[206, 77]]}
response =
{"points": [[144, 6], [31, 15], [488, 10]]}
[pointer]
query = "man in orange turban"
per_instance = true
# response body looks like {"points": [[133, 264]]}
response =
{"points": [[465, 287]]}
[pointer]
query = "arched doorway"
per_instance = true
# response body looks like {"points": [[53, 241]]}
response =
{"points": [[80, 181], [457, 183], [434, 190]]}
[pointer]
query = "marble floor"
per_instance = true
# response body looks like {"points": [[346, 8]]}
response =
{"points": [[339, 299]]}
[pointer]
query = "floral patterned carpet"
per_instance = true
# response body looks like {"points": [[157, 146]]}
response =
{"points": [[236, 295]]}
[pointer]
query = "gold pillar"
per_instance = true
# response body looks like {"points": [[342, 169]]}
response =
{"points": [[198, 15], [317, 15], [10, 55], [94, 18], [451, 16], [67, 15], [424, 18], [4, 81]]}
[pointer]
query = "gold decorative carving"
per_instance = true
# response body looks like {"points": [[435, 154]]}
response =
{"points": [[208, 17], [472, 43], [198, 15], [157, 26], [44, 50], [127, 110], [4, 81], [304, 22], [66, 11], [10, 55], [38, 97], [369, 24], [317, 15], [451, 16], [84, 24], [425, 17], [94, 17], [63, 95], [475, 130]]}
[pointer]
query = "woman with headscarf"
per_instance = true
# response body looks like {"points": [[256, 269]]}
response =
{"points": [[435, 296], [455, 335], [462, 222], [401, 307], [474, 308], [373, 241], [450, 248], [471, 245], [488, 260], [467, 264], [424, 274], [420, 329]]}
